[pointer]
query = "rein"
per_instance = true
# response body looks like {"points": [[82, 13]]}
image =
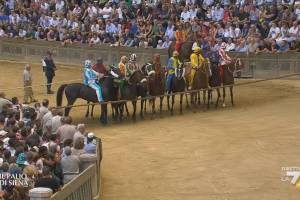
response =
{"points": [[238, 60]]}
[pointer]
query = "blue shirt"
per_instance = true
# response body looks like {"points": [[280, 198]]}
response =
{"points": [[90, 148], [89, 76]]}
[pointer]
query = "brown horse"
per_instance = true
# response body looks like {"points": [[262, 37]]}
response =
{"points": [[156, 84], [178, 85], [201, 81], [185, 50], [228, 79]]}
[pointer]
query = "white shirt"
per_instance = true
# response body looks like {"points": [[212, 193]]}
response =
{"points": [[293, 31], [92, 11], [95, 28], [170, 32], [185, 15], [237, 32], [193, 13], [297, 12], [59, 5], [54, 22], [230, 47], [274, 32], [218, 14], [95, 40], [2, 33], [22, 33], [45, 6], [77, 11], [106, 12], [26, 75], [208, 2]]}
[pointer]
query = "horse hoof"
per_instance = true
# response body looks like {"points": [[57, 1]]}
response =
{"points": [[224, 105]]}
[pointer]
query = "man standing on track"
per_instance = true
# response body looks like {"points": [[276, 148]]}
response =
{"points": [[49, 69], [28, 93]]}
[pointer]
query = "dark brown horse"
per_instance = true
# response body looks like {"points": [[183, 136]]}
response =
{"points": [[134, 87], [185, 50], [178, 85], [201, 81], [228, 79], [156, 84]]}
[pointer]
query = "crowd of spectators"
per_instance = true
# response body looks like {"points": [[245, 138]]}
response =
{"points": [[245, 25], [40, 143]]}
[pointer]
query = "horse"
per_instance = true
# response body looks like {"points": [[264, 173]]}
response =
{"points": [[178, 85], [185, 49], [156, 85], [200, 81], [215, 78], [74, 91], [228, 78], [134, 87]]}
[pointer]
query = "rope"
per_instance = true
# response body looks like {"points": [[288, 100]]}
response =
{"points": [[55, 83], [184, 92]]}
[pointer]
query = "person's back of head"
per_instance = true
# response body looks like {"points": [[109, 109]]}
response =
{"points": [[67, 120], [46, 171], [67, 151], [68, 143], [45, 103]]}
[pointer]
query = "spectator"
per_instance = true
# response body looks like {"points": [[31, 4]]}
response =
{"points": [[80, 133], [47, 180], [28, 92], [70, 165], [67, 130], [90, 146]]}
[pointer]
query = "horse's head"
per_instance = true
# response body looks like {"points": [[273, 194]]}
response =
{"points": [[148, 70], [114, 72], [180, 71], [138, 78]]}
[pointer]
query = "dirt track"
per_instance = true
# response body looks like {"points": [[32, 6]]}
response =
{"points": [[233, 153]]}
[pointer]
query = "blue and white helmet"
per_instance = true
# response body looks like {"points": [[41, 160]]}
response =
{"points": [[87, 63], [133, 57]]}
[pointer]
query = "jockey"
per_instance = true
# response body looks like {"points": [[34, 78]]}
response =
{"points": [[91, 79], [132, 65], [224, 59], [197, 61], [122, 65], [100, 68], [180, 37], [173, 63], [157, 64]]}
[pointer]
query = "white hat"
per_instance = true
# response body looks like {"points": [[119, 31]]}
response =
{"points": [[90, 135], [160, 41]]}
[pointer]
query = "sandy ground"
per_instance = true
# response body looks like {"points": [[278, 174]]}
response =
{"points": [[232, 153]]}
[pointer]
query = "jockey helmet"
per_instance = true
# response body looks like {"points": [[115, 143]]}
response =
{"points": [[132, 57], [87, 63], [175, 53], [223, 45], [197, 49]]}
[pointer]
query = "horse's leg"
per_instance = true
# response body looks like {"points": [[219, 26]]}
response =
{"points": [[113, 111], [181, 98], [187, 100], [103, 117], [218, 98], [134, 110], [161, 105], [69, 106], [168, 100], [88, 110], [127, 110], [172, 106], [211, 97], [231, 95], [224, 94], [199, 101], [142, 108], [92, 111], [208, 98], [153, 107], [204, 99], [145, 106]]}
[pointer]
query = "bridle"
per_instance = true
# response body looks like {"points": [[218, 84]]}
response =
{"points": [[235, 70]]}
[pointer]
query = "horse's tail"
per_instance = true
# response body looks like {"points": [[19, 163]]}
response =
{"points": [[59, 94]]}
